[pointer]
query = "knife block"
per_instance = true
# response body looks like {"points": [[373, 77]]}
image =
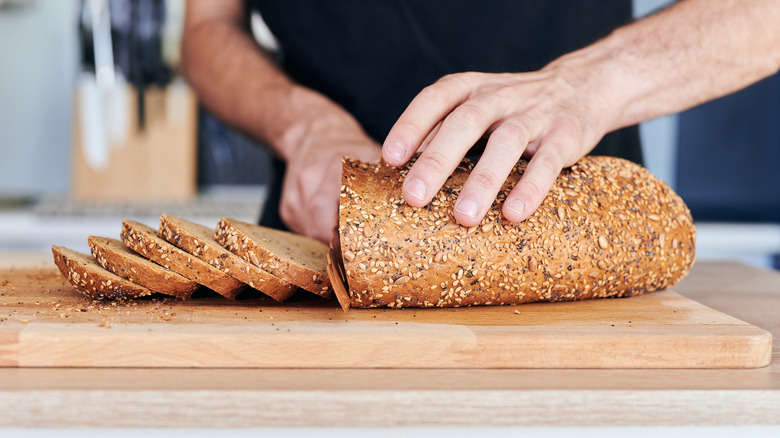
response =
{"points": [[154, 164]]}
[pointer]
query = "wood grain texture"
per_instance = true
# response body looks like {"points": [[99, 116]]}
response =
{"points": [[200, 397], [53, 325], [496, 408]]}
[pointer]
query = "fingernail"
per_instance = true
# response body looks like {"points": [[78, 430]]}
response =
{"points": [[516, 206], [416, 187], [467, 207], [395, 150]]}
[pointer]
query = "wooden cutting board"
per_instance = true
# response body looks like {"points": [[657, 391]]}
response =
{"points": [[44, 322]]}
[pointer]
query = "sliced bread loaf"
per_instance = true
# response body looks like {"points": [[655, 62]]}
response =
{"points": [[83, 272], [300, 260], [115, 256], [145, 241], [608, 228], [198, 240]]}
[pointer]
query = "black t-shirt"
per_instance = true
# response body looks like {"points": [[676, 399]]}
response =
{"points": [[373, 56]]}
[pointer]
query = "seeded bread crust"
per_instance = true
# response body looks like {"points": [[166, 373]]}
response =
{"points": [[145, 241], [116, 257], [300, 260], [89, 278], [608, 228], [199, 241]]}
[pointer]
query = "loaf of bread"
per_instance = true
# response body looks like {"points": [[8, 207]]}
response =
{"points": [[608, 228]]}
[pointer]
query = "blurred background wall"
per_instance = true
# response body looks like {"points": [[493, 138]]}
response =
{"points": [[39, 60]]}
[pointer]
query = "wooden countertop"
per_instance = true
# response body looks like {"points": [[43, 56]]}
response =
{"points": [[58, 397]]}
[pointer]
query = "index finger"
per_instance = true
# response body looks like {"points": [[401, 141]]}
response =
{"points": [[425, 111]]}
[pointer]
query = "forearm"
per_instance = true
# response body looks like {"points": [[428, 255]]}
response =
{"points": [[692, 52], [239, 83]]}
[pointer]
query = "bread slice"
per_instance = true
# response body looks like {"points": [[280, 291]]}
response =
{"points": [[145, 241], [83, 272], [199, 241], [300, 260], [115, 256]]}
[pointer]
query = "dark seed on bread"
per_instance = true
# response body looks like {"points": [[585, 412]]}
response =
{"points": [[145, 241], [297, 259], [89, 278], [115, 256], [198, 240]]}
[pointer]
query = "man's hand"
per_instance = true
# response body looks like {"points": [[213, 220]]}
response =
{"points": [[312, 182], [544, 114], [692, 52], [242, 85]]}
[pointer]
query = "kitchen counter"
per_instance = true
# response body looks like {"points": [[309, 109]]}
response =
{"points": [[59, 397]]}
